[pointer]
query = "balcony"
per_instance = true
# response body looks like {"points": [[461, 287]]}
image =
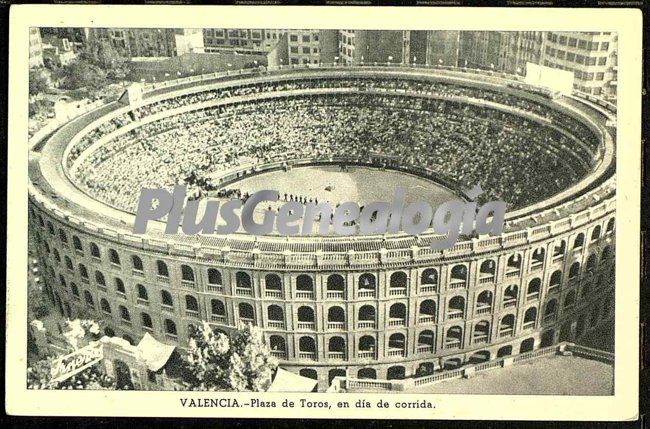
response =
{"points": [[455, 314], [85, 280], [187, 284], [142, 301], [126, 322], [513, 273], [396, 322], [529, 325], [101, 287], [480, 339], [162, 279], [484, 309], [367, 354], [279, 354], [452, 345], [511, 302], [148, 329], [269, 293], [336, 355], [335, 294], [215, 288], [425, 349], [397, 292], [246, 320], [554, 288], [457, 284], [428, 288], [336, 326], [305, 294], [366, 324], [217, 318], [427, 319], [121, 294], [307, 355], [275, 324], [507, 332], [192, 313], [486, 279], [171, 337], [244, 291], [558, 256], [532, 296], [366, 293], [310, 326], [396, 352], [536, 266], [137, 273], [167, 308]]}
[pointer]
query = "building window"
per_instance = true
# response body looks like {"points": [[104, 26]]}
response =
{"points": [[602, 61], [604, 46]]}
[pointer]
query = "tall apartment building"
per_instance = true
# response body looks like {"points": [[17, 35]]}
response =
{"points": [[152, 42], [35, 48], [591, 56]]}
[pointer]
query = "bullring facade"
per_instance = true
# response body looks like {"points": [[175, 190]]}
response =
{"points": [[377, 306]]}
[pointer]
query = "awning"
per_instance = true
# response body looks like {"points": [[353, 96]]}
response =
{"points": [[154, 353], [286, 381]]}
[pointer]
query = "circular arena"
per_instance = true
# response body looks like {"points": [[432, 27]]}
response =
{"points": [[372, 307]]}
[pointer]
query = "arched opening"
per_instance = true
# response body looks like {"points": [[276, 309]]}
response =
{"points": [[610, 226], [426, 341], [246, 312], [458, 276], [162, 269], [170, 328], [138, 266], [277, 345], [559, 249], [105, 306], [367, 373], [550, 311], [146, 321], [275, 313], [454, 337], [367, 285], [479, 357], [336, 372], [94, 251], [429, 280], [114, 257], [309, 373], [367, 316], [396, 344], [530, 317], [527, 345], [166, 298], [398, 282], [507, 326], [304, 283], [218, 311], [397, 314], [122, 376], [487, 271], [484, 302], [243, 280], [513, 265], [124, 314], [504, 351], [537, 260], [481, 332], [335, 286], [579, 241], [606, 253], [533, 291], [119, 286], [191, 306], [595, 234], [456, 307], [367, 344], [427, 311], [336, 348], [187, 274], [306, 316], [214, 277], [335, 318], [556, 281], [591, 264], [89, 299], [307, 347], [510, 296], [396, 372], [143, 296]]}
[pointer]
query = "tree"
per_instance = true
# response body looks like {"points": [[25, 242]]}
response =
{"points": [[102, 54], [214, 362], [39, 376], [38, 82], [80, 332], [82, 74]]}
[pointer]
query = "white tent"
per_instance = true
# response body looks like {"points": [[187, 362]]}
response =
{"points": [[153, 352], [286, 381]]}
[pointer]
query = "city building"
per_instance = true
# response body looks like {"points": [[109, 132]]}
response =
{"points": [[151, 42], [376, 307], [35, 48]]}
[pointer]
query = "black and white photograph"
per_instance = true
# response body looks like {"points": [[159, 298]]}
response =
{"points": [[391, 212]]}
